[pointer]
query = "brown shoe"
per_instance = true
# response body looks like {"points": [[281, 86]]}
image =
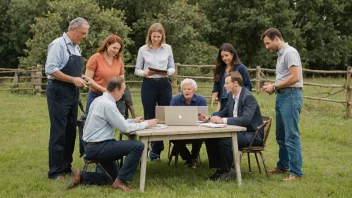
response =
{"points": [[292, 178], [76, 179], [127, 185], [60, 178], [122, 185], [277, 171]]}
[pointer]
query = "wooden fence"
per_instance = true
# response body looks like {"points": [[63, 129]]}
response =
{"points": [[34, 80]]}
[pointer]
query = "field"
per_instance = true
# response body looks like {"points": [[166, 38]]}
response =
{"points": [[325, 136]]}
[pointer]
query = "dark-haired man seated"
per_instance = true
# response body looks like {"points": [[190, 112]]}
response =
{"points": [[241, 110], [98, 135]]}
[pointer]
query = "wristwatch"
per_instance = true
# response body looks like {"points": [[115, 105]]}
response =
{"points": [[274, 88]]}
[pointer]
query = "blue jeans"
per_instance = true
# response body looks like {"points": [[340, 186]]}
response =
{"points": [[91, 96], [288, 108]]}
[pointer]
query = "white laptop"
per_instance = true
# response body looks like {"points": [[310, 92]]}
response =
{"points": [[160, 114], [203, 110], [181, 115]]}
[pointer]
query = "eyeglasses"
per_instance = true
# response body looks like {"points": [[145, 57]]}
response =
{"points": [[82, 33]]}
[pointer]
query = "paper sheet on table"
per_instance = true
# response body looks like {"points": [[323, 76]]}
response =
{"points": [[213, 125], [158, 126]]}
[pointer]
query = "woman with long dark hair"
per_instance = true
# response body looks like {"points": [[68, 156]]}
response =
{"points": [[227, 61]]}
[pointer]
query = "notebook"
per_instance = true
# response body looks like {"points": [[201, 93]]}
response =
{"points": [[181, 116], [213, 125]]}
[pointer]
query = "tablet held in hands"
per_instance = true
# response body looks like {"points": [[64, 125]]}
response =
{"points": [[158, 70]]}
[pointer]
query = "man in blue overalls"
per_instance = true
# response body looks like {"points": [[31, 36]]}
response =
{"points": [[64, 69]]}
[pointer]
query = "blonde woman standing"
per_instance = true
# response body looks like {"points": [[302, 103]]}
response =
{"points": [[155, 62]]}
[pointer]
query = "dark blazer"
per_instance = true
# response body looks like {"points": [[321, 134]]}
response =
{"points": [[248, 112]]}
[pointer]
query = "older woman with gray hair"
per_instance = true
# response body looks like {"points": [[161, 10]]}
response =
{"points": [[188, 98]]}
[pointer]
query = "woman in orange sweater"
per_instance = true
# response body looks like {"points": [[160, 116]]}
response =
{"points": [[103, 65]]}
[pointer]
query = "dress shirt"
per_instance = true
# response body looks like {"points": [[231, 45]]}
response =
{"points": [[179, 100], [58, 55], [235, 108], [161, 58], [104, 118]]}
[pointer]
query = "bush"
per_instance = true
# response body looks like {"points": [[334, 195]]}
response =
{"points": [[102, 23]]}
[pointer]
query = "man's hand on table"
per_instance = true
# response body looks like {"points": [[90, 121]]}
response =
{"points": [[202, 117], [152, 122], [138, 119], [216, 119]]}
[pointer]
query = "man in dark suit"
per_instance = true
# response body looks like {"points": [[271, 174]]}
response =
{"points": [[241, 109]]}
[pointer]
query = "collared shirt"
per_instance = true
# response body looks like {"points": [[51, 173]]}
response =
{"points": [[236, 98], [58, 55], [288, 57], [179, 100], [161, 58], [235, 107], [104, 118]]}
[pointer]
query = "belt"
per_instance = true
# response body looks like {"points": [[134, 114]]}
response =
{"points": [[288, 89], [157, 79], [94, 143]]}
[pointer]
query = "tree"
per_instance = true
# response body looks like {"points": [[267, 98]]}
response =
{"points": [[326, 28], [241, 23], [102, 23], [136, 10], [19, 26], [4, 26], [186, 28]]}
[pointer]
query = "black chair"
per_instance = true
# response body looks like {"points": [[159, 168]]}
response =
{"points": [[87, 162], [258, 149]]}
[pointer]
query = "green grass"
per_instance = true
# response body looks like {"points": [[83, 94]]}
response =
{"points": [[325, 135]]}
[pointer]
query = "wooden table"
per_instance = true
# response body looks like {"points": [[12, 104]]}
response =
{"points": [[189, 132]]}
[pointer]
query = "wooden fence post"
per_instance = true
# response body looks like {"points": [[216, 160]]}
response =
{"points": [[174, 80], [348, 93], [37, 81], [257, 80]]}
